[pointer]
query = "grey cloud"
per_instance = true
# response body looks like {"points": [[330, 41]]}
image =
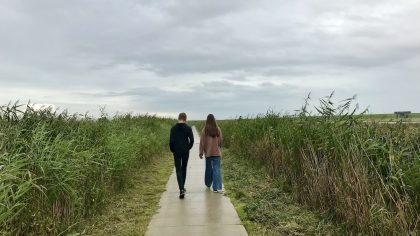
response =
{"points": [[222, 98], [134, 33], [213, 47]]}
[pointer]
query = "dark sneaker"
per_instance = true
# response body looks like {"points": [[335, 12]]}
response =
{"points": [[182, 194]]}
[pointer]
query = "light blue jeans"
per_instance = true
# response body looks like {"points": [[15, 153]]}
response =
{"points": [[213, 173]]}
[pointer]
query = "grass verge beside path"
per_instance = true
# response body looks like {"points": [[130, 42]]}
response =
{"points": [[263, 206], [130, 212]]}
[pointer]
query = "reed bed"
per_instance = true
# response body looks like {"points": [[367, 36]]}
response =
{"points": [[58, 169], [366, 175]]}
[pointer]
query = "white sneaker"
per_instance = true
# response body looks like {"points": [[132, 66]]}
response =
{"points": [[219, 191]]}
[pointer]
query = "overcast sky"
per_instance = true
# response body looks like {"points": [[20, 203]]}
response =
{"points": [[229, 58]]}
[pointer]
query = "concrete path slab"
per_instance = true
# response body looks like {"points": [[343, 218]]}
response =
{"points": [[201, 212]]}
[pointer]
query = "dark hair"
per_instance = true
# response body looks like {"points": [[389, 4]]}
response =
{"points": [[211, 128], [182, 116]]}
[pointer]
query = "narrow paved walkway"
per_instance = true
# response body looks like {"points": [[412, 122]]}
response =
{"points": [[202, 212]]}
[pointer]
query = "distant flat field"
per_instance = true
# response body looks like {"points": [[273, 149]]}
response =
{"points": [[413, 117]]}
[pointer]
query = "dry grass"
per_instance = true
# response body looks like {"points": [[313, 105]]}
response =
{"points": [[366, 175], [264, 206], [129, 213]]}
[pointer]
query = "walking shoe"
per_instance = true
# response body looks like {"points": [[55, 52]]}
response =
{"points": [[182, 194], [219, 191]]}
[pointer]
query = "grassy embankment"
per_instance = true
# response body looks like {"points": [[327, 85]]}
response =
{"points": [[413, 117], [365, 176], [59, 170]]}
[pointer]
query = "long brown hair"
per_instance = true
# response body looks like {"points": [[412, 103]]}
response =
{"points": [[211, 128]]}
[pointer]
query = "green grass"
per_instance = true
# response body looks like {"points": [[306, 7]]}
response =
{"points": [[129, 212], [263, 205], [365, 175], [413, 117], [57, 170]]}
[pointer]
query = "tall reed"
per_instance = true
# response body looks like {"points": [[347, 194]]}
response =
{"points": [[56, 169], [365, 174]]}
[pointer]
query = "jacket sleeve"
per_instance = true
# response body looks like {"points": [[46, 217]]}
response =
{"points": [[171, 141], [191, 138], [201, 152]]}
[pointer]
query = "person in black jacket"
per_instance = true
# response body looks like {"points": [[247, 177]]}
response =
{"points": [[180, 142]]}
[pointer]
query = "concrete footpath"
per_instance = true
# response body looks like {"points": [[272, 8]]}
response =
{"points": [[201, 212]]}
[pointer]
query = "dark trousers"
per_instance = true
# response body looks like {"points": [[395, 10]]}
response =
{"points": [[181, 162]]}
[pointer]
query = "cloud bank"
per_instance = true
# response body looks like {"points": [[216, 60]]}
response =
{"points": [[229, 58]]}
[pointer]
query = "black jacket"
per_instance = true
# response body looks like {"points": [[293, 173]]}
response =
{"points": [[182, 138]]}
